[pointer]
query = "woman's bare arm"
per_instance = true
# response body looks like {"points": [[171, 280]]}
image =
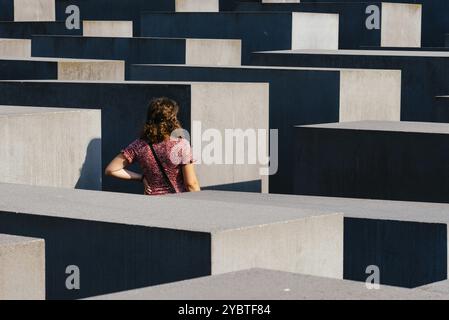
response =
{"points": [[117, 169], [190, 179]]}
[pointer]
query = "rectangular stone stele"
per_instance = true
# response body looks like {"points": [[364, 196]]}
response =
{"points": [[260, 284], [17, 48], [197, 5], [22, 268], [108, 29], [141, 241], [373, 160], [50, 147], [34, 10], [401, 25]]}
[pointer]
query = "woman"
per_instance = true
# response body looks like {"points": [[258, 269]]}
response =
{"points": [[166, 162]]}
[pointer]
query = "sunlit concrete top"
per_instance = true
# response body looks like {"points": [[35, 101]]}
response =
{"points": [[259, 284], [399, 53], [162, 212], [7, 111], [356, 208], [391, 126]]}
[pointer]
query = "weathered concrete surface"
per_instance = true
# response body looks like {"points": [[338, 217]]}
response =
{"points": [[50, 147], [17, 48], [122, 29], [424, 73], [406, 240], [401, 25], [315, 96], [375, 160], [258, 31], [24, 30], [124, 106], [61, 69], [140, 241], [22, 268], [441, 287], [197, 6], [260, 284], [141, 50], [34, 10]]}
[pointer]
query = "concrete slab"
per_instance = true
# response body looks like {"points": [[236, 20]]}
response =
{"points": [[124, 107], [197, 6], [260, 284], [441, 287], [18, 48], [141, 50], [108, 29], [140, 241], [34, 10], [27, 10], [435, 21], [376, 160], [24, 30], [61, 69], [22, 268], [258, 31], [400, 24], [41, 156], [424, 74], [406, 240], [315, 96]]}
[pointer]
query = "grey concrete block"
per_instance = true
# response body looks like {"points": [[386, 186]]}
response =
{"points": [[258, 31], [27, 10], [314, 96], [108, 29], [123, 242], [424, 73], [51, 147], [15, 48], [406, 240], [141, 50], [61, 69], [400, 23], [375, 160], [124, 106], [22, 268], [260, 284]]}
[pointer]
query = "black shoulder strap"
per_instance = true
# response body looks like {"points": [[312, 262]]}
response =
{"points": [[167, 179]]}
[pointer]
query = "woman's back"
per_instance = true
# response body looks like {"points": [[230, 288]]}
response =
{"points": [[172, 154]]}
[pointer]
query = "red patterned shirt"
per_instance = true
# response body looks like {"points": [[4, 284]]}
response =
{"points": [[172, 154]]}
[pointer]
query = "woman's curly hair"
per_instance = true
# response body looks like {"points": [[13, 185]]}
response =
{"points": [[162, 120]]}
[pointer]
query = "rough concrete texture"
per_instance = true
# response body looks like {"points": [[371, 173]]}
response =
{"points": [[91, 70], [401, 25], [34, 10], [213, 52], [259, 284], [370, 95], [22, 268], [441, 287], [189, 238], [34, 148], [108, 29], [314, 31], [17, 48], [197, 6]]}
